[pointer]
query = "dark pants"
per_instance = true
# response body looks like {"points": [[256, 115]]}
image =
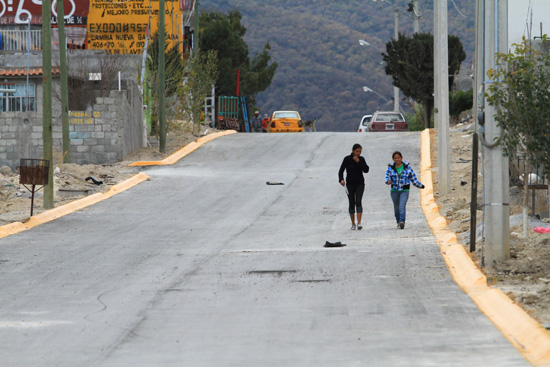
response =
{"points": [[355, 195], [400, 199]]}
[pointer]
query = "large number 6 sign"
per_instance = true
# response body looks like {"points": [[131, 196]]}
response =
{"points": [[21, 11], [69, 14]]}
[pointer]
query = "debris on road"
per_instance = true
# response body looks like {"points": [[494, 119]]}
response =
{"points": [[94, 180], [334, 244]]}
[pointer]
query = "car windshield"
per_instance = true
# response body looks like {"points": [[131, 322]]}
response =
{"points": [[286, 115], [366, 120], [389, 117]]}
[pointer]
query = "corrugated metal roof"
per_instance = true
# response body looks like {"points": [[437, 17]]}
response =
{"points": [[12, 72]]}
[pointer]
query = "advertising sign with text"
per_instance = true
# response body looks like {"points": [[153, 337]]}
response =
{"points": [[121, 27], [20, 11]]}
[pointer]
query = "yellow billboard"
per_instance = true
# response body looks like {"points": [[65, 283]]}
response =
{"points": [[121, 27]]}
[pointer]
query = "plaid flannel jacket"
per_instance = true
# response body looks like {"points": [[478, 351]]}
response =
{"points": [[403, 182]]}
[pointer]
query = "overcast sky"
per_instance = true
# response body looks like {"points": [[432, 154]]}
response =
{"points": [[519, 15]]}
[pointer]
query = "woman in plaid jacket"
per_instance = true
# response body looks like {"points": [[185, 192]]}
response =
{"points": [[400, 175]]}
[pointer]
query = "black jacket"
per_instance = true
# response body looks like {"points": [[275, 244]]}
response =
{"points": [[354, 170]]}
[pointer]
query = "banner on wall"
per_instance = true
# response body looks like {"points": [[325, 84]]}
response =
{"points": [[14, 12], [120, 27]]}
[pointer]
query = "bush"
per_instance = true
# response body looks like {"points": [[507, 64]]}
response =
{"points": [[459, 102], [416, 119]]}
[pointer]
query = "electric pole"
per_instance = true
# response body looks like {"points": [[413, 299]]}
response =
{"points": [[395, 89], [436, 63], [416, 16], [64, 82], [441, 59], [496, 176], [162, 77], [196, 26], [47, 99]]}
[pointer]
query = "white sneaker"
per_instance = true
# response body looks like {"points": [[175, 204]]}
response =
{"points": [[398, 227], [359, 226], [353, 228]]}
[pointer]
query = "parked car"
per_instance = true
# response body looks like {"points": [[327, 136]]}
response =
{"points": [[388, 121], [364, 124], [285, 121]]}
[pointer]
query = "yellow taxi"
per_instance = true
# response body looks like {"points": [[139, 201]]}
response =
{"points": [[285, 122]]}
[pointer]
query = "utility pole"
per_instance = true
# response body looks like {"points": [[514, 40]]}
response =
{"points": [[436, 63], [47, 99], [196, 26], [496, 177], [64, 82], [441, 59], [162, 77], [478, 64], [395, 89], [416, 16]]}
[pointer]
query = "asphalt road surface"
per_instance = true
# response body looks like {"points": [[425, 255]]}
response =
{"points": [[207, 265]]}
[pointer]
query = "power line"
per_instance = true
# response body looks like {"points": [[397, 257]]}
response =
{"points": [[458, 10]]}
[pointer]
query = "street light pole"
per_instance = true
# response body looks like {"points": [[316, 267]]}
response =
{"points": [[365, 43], [367, 89]]}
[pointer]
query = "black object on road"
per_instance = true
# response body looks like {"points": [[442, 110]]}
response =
{"points": [[274, 183], [334, 244], [94, 180]]}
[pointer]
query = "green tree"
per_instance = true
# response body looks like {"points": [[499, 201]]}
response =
{"points": [[174, 66], [410, 62], [459, 102], [201, 75], [520, 90], [224, 33]]}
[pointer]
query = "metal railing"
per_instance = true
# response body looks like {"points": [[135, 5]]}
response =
{"points": [[535, 178], [17, 40]]}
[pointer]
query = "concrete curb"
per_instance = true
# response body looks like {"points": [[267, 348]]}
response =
{"points": [[525, 333], [75, 205], [189, 148]]}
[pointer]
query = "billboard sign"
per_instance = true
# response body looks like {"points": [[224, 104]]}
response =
{"points": [[21, 11], [121, 27]]}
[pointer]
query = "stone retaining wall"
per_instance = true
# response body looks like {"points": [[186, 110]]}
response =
{"points": [[105, 134]]}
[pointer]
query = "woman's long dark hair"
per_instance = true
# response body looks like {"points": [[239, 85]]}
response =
{"points": [[355, 146]]}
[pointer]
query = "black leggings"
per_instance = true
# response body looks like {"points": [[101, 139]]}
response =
{"points": [[355, 195]]}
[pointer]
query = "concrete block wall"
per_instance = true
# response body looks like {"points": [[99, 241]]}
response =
{"points": [[105, 134]]}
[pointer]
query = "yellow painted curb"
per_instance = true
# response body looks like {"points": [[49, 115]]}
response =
{"points": [[189, 148], [71, 207], [525, 333]]}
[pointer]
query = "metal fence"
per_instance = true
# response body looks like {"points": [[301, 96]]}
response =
{"points": [[17, 40], [535, 178]]}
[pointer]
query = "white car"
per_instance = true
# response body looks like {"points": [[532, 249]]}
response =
{"points": [[364, 124]]}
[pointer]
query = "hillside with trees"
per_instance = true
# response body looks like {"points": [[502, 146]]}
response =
{"points": [[321, 66]]}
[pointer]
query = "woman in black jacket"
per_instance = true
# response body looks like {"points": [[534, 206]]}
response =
{"points": [[354, 165]]}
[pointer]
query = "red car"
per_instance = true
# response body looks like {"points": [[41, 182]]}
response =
{"points": [[388, 121]]}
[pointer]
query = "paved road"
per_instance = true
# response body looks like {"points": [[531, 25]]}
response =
{"points": [[206, 265]]}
